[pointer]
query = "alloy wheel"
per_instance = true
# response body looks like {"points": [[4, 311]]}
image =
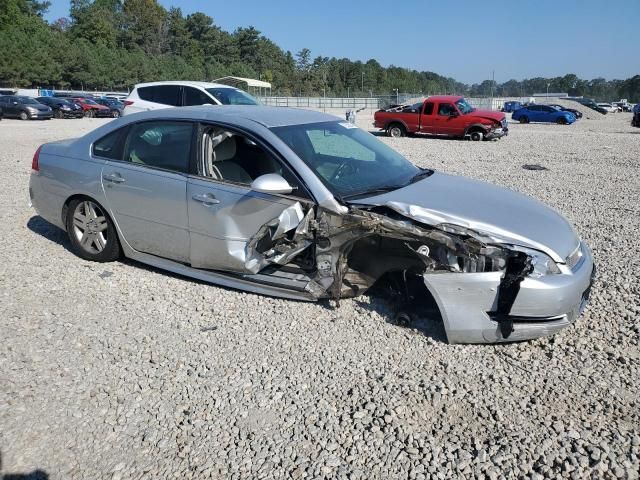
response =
{"points": [[90, 227]]}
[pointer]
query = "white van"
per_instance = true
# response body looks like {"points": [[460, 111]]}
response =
{"points": [[154, 95]]}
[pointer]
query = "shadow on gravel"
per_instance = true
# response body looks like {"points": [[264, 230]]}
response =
{"points": [[34, 475], [39, 225]]}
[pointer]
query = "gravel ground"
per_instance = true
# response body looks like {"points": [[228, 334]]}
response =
{"points": [[121, 371]]}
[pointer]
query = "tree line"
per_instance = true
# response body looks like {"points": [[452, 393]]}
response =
{"points": [[114, 44]]}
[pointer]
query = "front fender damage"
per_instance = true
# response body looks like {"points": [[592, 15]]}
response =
{"points": [[343, 255]]}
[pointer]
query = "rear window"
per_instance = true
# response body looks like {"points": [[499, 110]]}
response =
{"points": [[163, 94]]}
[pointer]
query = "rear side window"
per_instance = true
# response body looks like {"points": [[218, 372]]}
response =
{"points": [[110, 146], [193, 96], [164, 144], [164, 94], [428, 109]]}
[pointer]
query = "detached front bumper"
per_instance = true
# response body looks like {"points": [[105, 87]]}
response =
{"points": [[543, 306], [497, 133]]}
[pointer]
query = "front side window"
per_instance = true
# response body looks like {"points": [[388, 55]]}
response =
{"points": [[349, 161], [194, 97], [446, 109], [163, 144], [231, 157], [232, 96]]}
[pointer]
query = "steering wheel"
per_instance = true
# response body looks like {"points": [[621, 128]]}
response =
{"points": [[338, 173]]}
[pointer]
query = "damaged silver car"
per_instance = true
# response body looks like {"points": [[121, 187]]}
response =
{"points": [[302, 205]]}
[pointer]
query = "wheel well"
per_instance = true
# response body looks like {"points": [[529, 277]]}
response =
{"points": [[78, 196], [398, 123]]}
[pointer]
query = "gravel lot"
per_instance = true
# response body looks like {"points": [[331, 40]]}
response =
{"points": [[121, 371]]}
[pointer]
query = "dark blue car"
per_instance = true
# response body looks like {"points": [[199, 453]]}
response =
{"points": [[543, 113], [511, 106]]}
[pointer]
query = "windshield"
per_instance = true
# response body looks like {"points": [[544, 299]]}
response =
{"points": [[231, 96], [349, 161], [464, 106], [27, 101]]}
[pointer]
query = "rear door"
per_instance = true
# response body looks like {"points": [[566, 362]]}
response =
{"points": [[145, 182], [427, 118], [195, 97]]}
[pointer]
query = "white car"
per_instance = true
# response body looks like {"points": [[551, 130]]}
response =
{"points": [[155, 95], [608, 107]]}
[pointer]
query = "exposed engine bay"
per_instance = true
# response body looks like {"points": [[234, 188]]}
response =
{"points": [[345, 255]]}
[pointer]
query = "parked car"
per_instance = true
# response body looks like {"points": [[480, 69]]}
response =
{"points": [[24, 108], [543, 113], [608, 107], [635, 120], [448, 115], [151, 96], [62, 108], [91, 108], [576, 113], [299, 204], [114, 105], [588, 102], [623, 106], [510, 107], [1, 113]]}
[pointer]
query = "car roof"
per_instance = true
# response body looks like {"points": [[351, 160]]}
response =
{"points": [[185, 82], [445, 98], [266, 116]]}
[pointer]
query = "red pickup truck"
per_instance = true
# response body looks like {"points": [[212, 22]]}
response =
{"points": [[449, 115]]}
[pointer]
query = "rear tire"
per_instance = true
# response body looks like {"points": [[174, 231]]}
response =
{"points": [[396, 130], [91, 232], [24, 116], [524, 119], [476, 136], [115, 113]]}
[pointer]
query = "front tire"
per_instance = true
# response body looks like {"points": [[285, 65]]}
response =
{"points": [[58, 114], [476, 136], [91, 232], [88, 113], [396, 130], [115, 114], [561, 121], [524, 119], [24, 116]]}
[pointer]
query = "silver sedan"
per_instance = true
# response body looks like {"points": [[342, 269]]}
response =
{"points": [[299, 204]]}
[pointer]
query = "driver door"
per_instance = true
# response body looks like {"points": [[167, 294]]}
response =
{"points": [[444, 121], [225, 214]]}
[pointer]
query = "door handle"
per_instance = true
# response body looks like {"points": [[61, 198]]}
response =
{"points": [[207, 199], [113, 177]]}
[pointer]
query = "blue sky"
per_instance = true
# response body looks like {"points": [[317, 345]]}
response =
{"points": [[462, 39]]}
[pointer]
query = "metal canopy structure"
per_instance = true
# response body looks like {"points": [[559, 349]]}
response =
{"points": [[251, 85]]}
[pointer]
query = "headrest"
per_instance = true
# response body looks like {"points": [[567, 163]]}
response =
{"points": [[225, 150]]}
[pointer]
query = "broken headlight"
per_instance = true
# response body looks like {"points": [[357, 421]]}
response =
{"points": [[541, 263]]}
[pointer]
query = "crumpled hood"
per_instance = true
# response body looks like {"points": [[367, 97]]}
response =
{"points": [[490, 114], [501, 214]]}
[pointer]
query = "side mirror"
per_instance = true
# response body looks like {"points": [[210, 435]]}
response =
{"points": [[271, 183]]}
